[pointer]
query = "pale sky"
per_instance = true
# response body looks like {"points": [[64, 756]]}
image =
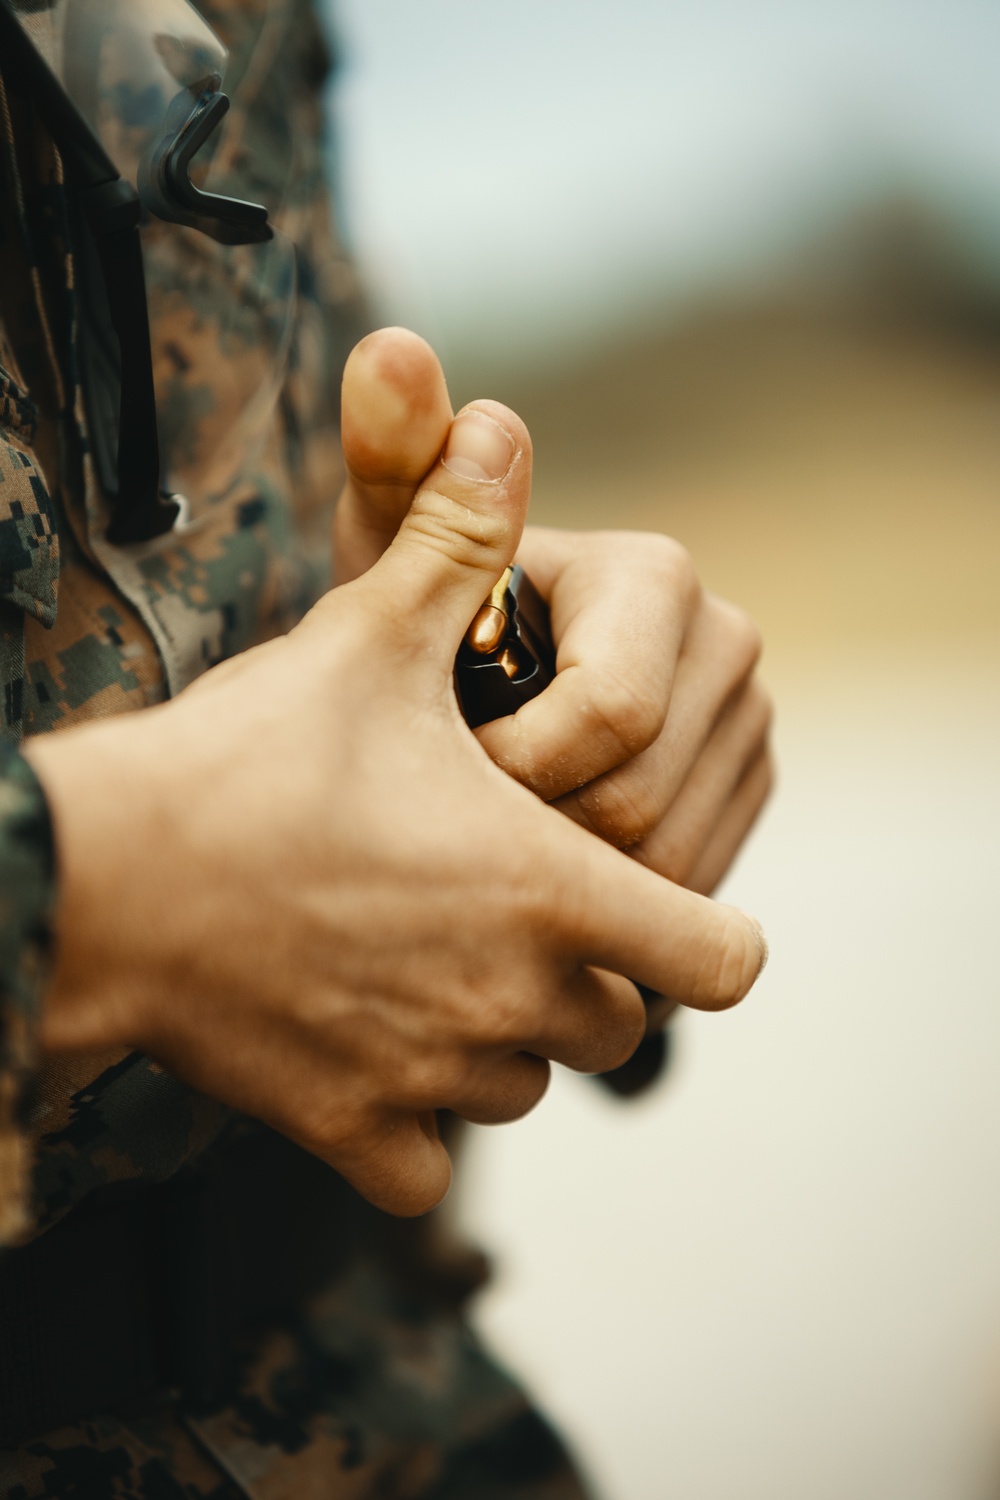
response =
{"points": [[512, 171]]}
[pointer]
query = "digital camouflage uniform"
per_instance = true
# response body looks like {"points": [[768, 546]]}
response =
{"points": [[378, 1387]]}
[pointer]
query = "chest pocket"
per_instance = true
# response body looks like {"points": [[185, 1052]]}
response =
{"points": [[29, 542]]}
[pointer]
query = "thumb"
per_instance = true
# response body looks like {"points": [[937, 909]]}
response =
{"points": [[461, 530], [395, 415]]}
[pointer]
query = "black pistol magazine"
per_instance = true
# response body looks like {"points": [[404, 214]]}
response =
{"points": [[506, 659]]}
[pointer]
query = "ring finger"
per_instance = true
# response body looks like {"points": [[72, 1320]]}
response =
{"points": [[737, 741]]}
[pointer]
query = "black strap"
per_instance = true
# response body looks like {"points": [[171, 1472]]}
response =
{"points": [[111, 210], [139, 509]]}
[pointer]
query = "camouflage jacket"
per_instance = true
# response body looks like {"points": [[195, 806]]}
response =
{"points": [[377, 1389], [90, 629]]}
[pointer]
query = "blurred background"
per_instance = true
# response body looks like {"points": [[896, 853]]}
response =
{"points": [[738, 266]]}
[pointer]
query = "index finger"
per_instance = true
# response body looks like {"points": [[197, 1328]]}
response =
{"points": [[616, 914], [621, 604]]}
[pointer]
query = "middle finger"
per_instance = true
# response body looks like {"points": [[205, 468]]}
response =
{"points": [[625, 805]]}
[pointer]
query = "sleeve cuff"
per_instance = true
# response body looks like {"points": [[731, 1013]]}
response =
{"points": [[27, 891]]}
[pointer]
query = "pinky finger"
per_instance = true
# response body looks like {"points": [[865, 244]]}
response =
{"points": [[511, 1090], [752, 791], [401, 1166]]}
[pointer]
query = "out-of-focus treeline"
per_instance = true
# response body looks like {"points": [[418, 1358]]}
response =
{"points": [[829, 447]]}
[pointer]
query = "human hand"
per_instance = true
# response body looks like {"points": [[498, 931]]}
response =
{"points": [[654, 733], [304, 888]]}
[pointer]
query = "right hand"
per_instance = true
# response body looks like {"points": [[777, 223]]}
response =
{"points": [[303, 886]]}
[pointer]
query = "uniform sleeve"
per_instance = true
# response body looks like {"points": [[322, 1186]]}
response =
{"points": [[27, 881]]}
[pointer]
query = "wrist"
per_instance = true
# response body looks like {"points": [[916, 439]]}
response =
{"points": [[100, 783]]}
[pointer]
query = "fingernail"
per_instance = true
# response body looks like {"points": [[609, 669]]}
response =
{"points": [[478, 447]]}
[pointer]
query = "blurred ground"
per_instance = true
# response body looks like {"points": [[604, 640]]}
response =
{"points": [[779, 1276]]}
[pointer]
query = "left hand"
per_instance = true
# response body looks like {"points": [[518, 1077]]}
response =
{"points": [[654, 734]]}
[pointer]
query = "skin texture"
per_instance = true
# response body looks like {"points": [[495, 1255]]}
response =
{"points": [[354, 917]]}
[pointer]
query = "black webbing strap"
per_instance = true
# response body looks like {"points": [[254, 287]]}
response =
{"points": [[111, 210], [149, 1293]]}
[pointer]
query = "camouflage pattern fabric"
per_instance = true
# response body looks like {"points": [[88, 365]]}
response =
{"points": [[105, 1460], [378, 1393], [134, 624], [379, 1388], [370, 1399]]}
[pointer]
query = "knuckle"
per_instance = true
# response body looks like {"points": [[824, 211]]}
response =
{"points": [[625, 1034], [744, 640], [629, 715], [515, 1095], [427, 1079], [676, 564], [455, 528], [670, 853], [677, 560], [392, 1167], [663, 555], [510, 1018], [529, 1093], [323, 1129], [622, 808], [614, 1029], [675, 861]]}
